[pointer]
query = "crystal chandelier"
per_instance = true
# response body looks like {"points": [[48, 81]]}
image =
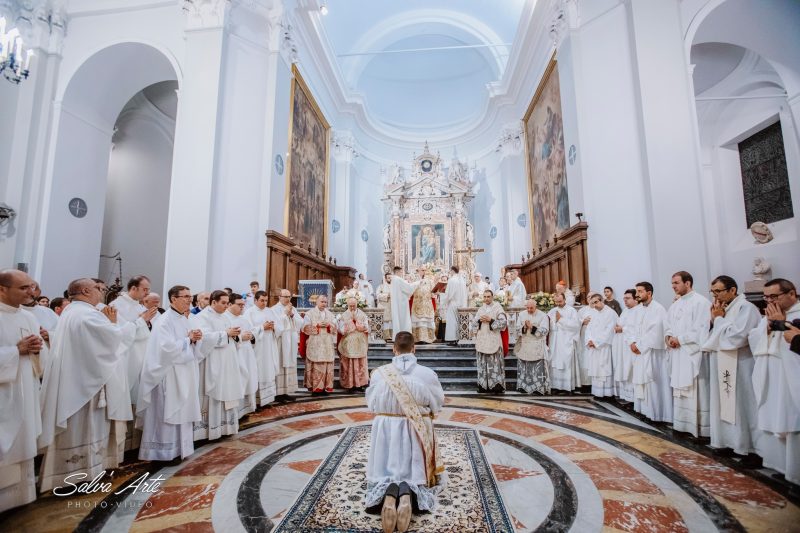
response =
{"points": [[12, 66]]}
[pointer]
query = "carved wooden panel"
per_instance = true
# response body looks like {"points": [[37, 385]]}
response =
{"points": [[765, 179]]}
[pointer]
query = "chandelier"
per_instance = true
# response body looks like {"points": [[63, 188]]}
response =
{"points": [[12, 66]]}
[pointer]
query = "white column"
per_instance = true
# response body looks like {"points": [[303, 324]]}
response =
{"points": [[669, 144], [43, 30], [340, 199], [196, 147]]}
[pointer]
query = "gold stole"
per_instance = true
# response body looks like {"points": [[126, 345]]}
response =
{"points": [[423, 425]]}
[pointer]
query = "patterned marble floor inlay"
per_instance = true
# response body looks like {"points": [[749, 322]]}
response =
{"points": [[566, 464]]}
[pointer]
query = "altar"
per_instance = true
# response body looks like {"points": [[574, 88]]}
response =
{"points": [[427, 215]]}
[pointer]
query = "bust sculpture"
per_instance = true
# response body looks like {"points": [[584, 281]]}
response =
{"points": [[761, 267]]}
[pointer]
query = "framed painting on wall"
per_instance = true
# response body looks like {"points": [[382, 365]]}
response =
{"points": [[545, 160], [306, 206], [427, 245]]}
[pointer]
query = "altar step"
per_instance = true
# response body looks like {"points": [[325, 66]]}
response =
{"points": [[455, 365]]}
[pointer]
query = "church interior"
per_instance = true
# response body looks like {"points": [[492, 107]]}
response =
{"points": [[313, 146]]}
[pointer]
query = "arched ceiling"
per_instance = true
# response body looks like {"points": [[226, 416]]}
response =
{"points": [[421, 66]]}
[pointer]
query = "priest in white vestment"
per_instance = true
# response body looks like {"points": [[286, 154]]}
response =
{"points": [[651, 364], [455, 296], [776, 376], [47, 318], [564, 333], [20, 414], [289, 324], [383, 295], [403, 466], [569, 296], [366, 289], [476, 287], [131, 310], [84, 410], [353, 326], [221, 384], [533, 374], [585, 315], [621, 347], [169, 403], [247, 355], [401, 292], [686, 330], [733, 407], [269, 328], [518, 292], [598, 339]]}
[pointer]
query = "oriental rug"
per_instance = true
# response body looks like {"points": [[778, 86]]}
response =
{"points": [[333, 500]]}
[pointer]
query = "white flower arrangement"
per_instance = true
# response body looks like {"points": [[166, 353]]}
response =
{"points": [[500, 297], [343, 296]]}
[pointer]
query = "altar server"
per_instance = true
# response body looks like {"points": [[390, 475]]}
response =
{"points": [[455, 296]]}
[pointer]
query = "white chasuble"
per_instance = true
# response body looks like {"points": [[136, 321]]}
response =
{"points": [[128, 310], [651, 368], [20, 415], [248, 368], [266, 349], [564, 334], [322, 340], [532, 339], [600, 332], [354, 344], [688, 320], [75, 418]]}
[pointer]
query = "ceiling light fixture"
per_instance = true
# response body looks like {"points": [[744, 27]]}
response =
{"points": [[12, 65], [323, 7]]}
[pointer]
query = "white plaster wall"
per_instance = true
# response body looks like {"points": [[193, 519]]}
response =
{"points": [[280, 145], [137, 196]]}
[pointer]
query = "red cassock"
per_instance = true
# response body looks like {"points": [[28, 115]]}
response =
{"points": [[504, 338]]}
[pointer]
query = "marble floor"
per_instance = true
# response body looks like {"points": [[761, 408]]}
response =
{"points": [[562, 464]]}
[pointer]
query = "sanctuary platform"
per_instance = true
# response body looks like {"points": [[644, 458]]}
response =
{"points": [[565, 463]]}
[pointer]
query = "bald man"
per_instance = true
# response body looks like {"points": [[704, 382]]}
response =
{"points": [[85, 409], [20, 419]]}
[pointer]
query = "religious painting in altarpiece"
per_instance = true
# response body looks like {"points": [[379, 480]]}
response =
{"points": [[306, 206], [545, 160]]}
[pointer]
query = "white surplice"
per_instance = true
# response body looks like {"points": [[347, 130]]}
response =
{"points": [[168, 402], [290, 326], [46, 317], [247, 363], [729, 335], [395, 452], [776, 376], [20, 415], [455, 296], [266, 348], [518, 293], [651, 368], [383, 296], [688, 320], [600, 331], [128, 310], [221, 380], [583, 357], [623, 356], [78, 401], [564, 333], [401, 313]]}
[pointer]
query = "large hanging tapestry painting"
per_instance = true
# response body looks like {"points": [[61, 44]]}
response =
{"points": [[307, 175], [546, 164]]}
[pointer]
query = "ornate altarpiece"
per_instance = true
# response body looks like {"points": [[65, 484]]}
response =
{"points": [[427, 214]]}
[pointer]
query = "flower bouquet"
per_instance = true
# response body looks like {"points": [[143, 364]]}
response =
{"points": [[544, 300], [340, 303], [500, 297]]}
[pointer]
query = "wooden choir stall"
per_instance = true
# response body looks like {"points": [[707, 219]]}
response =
{"points": [[289, 262]]}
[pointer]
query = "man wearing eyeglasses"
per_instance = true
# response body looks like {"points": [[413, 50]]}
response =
{"points": [[733, 405], [775, 380], [291, 324]]}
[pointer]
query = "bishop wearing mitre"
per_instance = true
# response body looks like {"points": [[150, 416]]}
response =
{"points": [[319, 340], [490, 321], [423, 310], [533, 376], [353, 346], [20, 417]]}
